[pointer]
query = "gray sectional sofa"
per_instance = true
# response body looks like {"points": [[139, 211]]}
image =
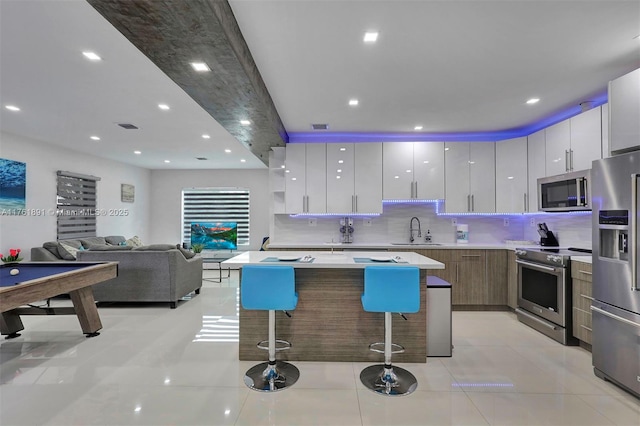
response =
{"points": [[156, 273]]}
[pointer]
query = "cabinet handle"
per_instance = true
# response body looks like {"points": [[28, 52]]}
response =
{"points": [[457, 274], [585, 272], [307, 208], [525, 203], [571, 158], [634, 231], [585, 327], [415, 189], [356, 209], [586, 297], [470, 255], [566, 160], [468, 202], [353, 204], [473, 203]]}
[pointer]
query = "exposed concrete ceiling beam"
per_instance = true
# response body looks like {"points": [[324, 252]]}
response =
{"points": [[172, 34]]}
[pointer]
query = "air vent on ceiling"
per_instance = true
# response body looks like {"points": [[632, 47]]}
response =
{"points": [[201, 158], [127, 126], [319, 126]]}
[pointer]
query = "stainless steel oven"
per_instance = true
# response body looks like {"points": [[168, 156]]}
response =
{"points": [[544, 292]]}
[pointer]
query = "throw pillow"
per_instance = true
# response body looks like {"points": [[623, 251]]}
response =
{"points": [[68, 252], [107, 247], [116, 240], [188, 254], [134, 241]]}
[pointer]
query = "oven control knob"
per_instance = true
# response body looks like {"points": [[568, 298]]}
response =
{"points": [[554, 258], [520, 252]]}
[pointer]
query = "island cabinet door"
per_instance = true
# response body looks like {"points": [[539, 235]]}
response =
{"points": [[469, 285]]}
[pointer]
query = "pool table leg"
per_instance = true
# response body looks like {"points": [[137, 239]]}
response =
{"points": [[10, 324], [86, 310]]}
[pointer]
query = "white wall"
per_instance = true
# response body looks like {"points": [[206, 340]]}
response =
{"points": [[43, 161], [393, 226], [166, 200]]}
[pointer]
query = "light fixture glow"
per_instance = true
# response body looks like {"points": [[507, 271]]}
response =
{"points": [[228, 151], [408, 170], [417, 128], [200, 66], [353, 102], [338, 177], [94, 138], [294, 178], [167, 161], [92, 56], [533, 101], [205, 136], [426, 162], [340, 161], [370, 36], [242, 160], [245, 122], [164, 107], [509, 177], [12, 108], [339, 170], [446, 149], [282, 167], [138, 409], [343, 149], [137, 152], [396, 177]]}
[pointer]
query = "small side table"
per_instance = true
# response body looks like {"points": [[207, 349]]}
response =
{"points": [[218, 258]]}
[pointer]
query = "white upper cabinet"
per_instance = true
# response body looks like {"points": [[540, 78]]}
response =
{"points": [[535, 167], [558, 144], [413, 170], [624, 110], [586, 139], [470, 177], [573, 144], [511, 176], [428, 170], [397, 170], [354, 178], [305, 178]]}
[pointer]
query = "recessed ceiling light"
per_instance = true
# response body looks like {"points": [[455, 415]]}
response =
{"points": [[200, 66], [353, 102], [92, 56], [137, 152], [12, 108], [417, 128], [228, 151], [206, 137], [370, 36], [533, 101], [245, 122], [163, 106], [242, 160], [95, 138], [167, 161]]}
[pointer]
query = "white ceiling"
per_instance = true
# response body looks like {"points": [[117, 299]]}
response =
{"points": [[451, 66]]}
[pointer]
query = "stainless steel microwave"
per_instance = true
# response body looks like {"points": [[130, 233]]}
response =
{"points": [[566, 192]]}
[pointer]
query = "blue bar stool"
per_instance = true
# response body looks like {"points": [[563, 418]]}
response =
{"points": [[390, 289], [270, 288]]}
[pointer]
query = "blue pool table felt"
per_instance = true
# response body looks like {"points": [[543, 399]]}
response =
{"points": [[32, 271]]}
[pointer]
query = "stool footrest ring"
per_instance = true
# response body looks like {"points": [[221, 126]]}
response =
{"points": [[264, 344], [374, 348]]}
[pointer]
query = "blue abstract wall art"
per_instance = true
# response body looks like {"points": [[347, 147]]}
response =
{"points": [[13, 183]]}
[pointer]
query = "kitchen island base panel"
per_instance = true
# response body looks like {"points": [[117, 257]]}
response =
{"points": [[329, 323]]}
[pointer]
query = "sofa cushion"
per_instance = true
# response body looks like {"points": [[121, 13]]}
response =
{"points": [[92, 241], [188, 254], [155, 247], [68, 249], [107, 247], [115, 240], [52, 247], [134, 241]]}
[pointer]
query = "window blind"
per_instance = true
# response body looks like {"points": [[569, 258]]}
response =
{"points": [[76, 205], [216, 205]]}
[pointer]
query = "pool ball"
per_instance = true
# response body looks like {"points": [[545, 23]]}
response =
{"points": [[14, 272]]}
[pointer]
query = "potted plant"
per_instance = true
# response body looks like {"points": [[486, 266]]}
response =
{"points": [[197, 248]]}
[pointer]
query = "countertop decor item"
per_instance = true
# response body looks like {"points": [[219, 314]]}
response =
{"points": [[14, 256]]}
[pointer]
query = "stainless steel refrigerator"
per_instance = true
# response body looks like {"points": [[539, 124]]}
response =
{"points": [[616, 305]]}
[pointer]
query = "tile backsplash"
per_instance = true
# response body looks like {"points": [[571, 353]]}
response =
{"points": [[571, 229]]}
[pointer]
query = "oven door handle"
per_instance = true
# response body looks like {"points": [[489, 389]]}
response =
{"points": [[537, 266]]}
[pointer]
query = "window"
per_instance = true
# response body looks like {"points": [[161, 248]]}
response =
{"points": [[216, 205], [76, 205]]}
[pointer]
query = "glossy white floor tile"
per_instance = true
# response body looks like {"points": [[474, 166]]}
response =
{"points": [[156, 366]]}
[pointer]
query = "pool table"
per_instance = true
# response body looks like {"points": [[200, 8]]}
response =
{"points": [[38, 281]]}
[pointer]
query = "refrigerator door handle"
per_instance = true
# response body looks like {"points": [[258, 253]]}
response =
{"points": [[634, 231], [615, 317]]}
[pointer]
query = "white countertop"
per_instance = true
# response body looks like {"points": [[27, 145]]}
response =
{"points": [[583, 259], [399, 246], [327, 259]]}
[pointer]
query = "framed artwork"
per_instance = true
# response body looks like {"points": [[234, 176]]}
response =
{"points": [[127, 193], [13, 183]]}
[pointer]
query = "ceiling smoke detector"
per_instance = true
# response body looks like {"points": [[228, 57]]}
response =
{"points": [[127, 126], [201, 158], [320, 126]]}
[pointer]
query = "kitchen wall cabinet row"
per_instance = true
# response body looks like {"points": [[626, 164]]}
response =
{"points": [[479, 177]]}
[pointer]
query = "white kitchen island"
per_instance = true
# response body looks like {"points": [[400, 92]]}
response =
{"points": [[329, 323]]}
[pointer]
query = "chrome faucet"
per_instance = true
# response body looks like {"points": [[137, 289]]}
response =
{"points": [[411, 229]]}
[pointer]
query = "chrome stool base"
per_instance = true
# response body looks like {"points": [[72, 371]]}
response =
{"points": [[388, 380], [266, 377]]}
